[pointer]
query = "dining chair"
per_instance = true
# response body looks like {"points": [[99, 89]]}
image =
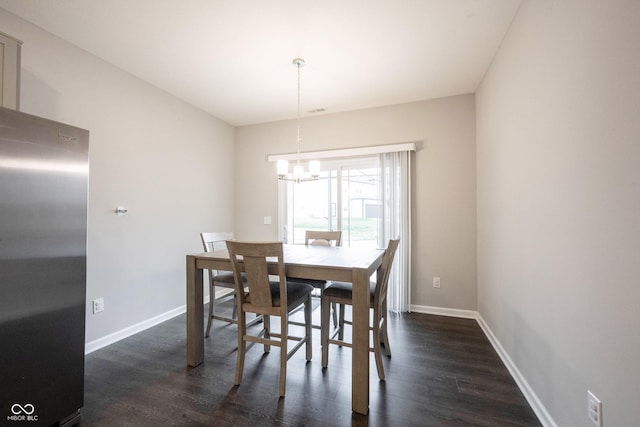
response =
{"points": [[269, 298], [342, 293], [220, 279], [320, 238]]}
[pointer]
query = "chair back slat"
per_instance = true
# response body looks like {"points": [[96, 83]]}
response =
{"points": [[258, 281], [382, 280], [323, 238]]}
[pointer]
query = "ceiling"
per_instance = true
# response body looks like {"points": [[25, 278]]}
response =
{"points": [[233, 58]]}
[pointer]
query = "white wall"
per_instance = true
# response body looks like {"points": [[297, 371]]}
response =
{"points": [[444, 216], [165, 161], [558, 159]]}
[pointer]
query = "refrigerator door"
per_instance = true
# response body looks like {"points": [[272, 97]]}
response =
{"points": [[43, 240]]}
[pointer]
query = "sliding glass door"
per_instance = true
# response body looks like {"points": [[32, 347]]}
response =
{"points": [[361, 207], [310, 205], [346, 197]]}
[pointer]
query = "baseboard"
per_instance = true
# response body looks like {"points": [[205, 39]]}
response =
{"points": [[92, 346], [535, 403], [441, 311]]}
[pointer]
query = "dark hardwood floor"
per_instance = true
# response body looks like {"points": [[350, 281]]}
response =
{"points": [[443, 372]]}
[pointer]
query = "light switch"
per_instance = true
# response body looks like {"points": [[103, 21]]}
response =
{"points": [[267, 220]]}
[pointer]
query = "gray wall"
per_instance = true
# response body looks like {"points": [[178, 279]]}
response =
{"points": [[558, 159], [165, 161], [444, 215]]}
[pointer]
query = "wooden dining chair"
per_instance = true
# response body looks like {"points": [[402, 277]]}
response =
{"points": [[268, 298], [219, 279], [342, 293], [324, 238], [321, 238]]}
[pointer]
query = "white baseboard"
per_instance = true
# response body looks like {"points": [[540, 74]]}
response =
{"points": [[441, 311], [92, 346], [535, 403]]}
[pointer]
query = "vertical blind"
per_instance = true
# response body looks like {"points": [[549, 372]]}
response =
{"points": [[395, 176]]}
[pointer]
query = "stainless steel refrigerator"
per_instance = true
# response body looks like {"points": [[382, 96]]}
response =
{"points": [[43, 240]]}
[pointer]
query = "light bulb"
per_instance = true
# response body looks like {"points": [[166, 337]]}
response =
{"points": [[283, 167], [314, 168]]}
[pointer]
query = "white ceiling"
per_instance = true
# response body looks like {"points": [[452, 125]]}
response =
{"points": [[232, 58]]}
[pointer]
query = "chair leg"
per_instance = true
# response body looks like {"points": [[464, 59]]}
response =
{"points": [[376, 344], [324, 330], [284, 340], [307, 325], [234, 314], [341, 323], [383, 330], [212, 299], [333, 307], [267, 332], [242, 346]]}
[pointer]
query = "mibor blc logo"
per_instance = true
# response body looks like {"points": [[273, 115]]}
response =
{"points": [[22, 412]]}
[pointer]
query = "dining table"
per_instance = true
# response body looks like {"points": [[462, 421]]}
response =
{"points": [[337, 263]]}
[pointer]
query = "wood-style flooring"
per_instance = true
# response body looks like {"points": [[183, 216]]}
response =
{"points": [[444, 372]]}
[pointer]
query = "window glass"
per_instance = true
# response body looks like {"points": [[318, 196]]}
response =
{"points": [[346, 197]]}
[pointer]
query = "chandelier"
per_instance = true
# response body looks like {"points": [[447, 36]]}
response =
{"points": [[298, 174]]}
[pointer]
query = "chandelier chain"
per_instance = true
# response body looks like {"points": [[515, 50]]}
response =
{"points": [[314, 166], [298, 140]]}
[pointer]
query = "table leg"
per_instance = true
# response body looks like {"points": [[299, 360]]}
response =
{"points": [[195, 312], [360, 358]]}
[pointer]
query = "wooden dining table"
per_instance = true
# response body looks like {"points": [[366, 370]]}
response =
{"points": [[355, 265]]}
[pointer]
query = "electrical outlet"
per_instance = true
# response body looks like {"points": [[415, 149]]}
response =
{"points": [[436, 282], [594, 409], [98, 305]]}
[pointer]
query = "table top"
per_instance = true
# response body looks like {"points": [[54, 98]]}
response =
{"points": [[336, 257]]}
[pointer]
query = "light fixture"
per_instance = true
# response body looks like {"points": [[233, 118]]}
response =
{"points": [[298, 174]]}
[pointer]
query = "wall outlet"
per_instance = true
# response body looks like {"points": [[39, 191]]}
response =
{"points": [[98, 305], [594, 409], [436, 282]]}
